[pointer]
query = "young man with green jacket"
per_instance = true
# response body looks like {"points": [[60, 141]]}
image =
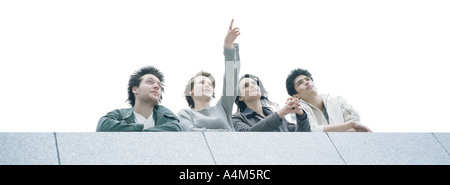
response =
{"points": [[144, 95]]}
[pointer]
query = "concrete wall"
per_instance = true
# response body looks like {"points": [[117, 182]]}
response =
{"points": [[224, 148]]}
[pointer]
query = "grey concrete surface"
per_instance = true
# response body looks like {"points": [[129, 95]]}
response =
{"points": [[390, 148], [444, 140], [169, 148], [271, 148], [19, 148], [224, 148]]}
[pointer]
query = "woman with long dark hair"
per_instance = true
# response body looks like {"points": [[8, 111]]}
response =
{"points": [[256, 112]]}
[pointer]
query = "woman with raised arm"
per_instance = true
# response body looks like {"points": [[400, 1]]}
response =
{"points": [[199, 92]]}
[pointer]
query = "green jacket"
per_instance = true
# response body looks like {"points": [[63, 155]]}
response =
{"points": [[122, 120]]}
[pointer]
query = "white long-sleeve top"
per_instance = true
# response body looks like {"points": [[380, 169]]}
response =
{"points": [[339, 112]]}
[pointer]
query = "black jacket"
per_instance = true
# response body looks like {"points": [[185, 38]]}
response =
{"points": [[250, 121]]}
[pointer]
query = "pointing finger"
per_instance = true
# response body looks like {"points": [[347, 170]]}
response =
{"points": [[231, 25]]}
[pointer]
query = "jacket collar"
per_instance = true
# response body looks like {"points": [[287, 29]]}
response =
{"points": [[249, 112], [324, 100], [129, 113]]}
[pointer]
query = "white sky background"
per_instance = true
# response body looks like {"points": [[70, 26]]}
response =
{"points": [[65, 64]]}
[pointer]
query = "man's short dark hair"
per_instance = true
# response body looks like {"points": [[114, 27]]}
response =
{"points": [[290, 80], [136, 78]]}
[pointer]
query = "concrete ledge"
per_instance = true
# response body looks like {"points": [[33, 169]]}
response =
{"points": [[444, 140], [224, 148], [133, 148], [28, 148], [390, 148], [271, 148]]}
